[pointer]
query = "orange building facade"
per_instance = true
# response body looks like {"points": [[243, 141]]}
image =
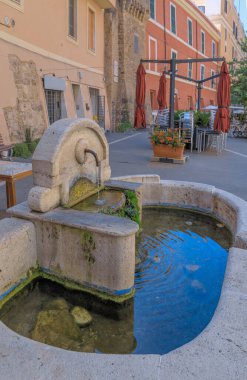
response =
{"points": [[178, 29]]}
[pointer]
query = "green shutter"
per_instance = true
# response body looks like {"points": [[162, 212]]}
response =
{"points": [[173, 19], [152, 9]]}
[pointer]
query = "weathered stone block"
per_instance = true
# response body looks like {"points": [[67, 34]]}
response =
{"points": [[43, 199], [18, 252]]}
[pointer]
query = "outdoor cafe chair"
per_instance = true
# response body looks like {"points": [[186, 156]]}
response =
{"points": [[186, 127], [162, 119]]}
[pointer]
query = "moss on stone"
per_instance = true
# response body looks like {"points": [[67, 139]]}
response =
{"points": [[35, 273], [88, 246], [32, 274], [130, 210], [71, 285], [82, 189]]}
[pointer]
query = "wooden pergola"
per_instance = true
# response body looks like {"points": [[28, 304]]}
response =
{"points": [[173, 75]]}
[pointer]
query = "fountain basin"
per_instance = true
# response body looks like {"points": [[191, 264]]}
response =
{"points": [[181, 259], [199, 355], [106, 201]]}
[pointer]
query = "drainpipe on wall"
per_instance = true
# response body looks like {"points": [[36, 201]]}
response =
{"points": [[164, 10]]}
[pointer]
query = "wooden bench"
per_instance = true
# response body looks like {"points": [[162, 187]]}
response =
{"points": [[4, 147]]}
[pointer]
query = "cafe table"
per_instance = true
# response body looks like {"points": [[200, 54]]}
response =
{"points": [[10, 172]]}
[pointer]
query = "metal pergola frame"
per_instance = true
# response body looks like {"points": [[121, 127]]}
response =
{"points": [[172, 72]]}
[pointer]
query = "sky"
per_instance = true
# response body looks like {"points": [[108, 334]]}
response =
{"points": [[242, 9]]}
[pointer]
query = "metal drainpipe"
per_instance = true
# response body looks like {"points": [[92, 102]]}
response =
{"points": [[165, 34]]}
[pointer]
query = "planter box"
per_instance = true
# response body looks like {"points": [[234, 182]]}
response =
{"points": [[168, 151]]}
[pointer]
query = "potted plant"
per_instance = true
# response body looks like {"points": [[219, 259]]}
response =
{"points": [[167, 143]]}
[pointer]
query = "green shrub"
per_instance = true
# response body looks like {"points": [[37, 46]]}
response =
{"points": [[32, 146], [28, 135], [202, 118], [125, 126], [21, 150]]}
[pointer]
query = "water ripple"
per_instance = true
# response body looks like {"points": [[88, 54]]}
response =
{"points": [[178, 278]]}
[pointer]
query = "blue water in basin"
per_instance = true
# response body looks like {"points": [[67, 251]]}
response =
{"points": [[179, 274]]}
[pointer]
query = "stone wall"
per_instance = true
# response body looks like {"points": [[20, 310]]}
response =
{"points": [[28, 113], [18, 252], [124, 25]]}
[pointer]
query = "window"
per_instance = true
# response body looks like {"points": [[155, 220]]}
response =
{"points": [[226, 6], [213, 79], [203, 42], [225, 34], [202, 72], [94, 97], [173, 54], [233, 53], [234, 27], [190, 70], [17, 4], [136, 43], [152, 9], [213, 49], [53, 102], [190, 33], [236, 32], [202, 8], [173, 19], [73, 18], [91, 29]]}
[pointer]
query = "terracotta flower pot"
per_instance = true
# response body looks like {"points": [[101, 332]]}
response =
{"points": [[168, 151]]}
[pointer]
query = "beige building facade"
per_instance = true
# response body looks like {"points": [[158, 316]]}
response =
{"points": [[52, 64], [125, 45], [225, 17]]}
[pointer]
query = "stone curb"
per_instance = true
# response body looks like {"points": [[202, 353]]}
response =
{"points": [[218, 353]]}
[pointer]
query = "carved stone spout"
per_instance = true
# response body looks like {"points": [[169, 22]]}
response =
{"points": [[61, 159]]}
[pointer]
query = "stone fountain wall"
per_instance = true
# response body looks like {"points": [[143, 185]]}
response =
{"points": [[60, 160], [95, 251]]}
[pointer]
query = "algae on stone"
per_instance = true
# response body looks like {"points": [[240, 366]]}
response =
{"points": [[88, 246], [57, 304], [81, 316], [82, 189], [57, 328]]}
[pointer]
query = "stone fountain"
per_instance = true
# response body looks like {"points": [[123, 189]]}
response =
{"points": [[91, 250]]}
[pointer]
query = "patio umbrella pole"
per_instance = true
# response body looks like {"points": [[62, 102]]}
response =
{"points": [[199, 88], [172, 91]]}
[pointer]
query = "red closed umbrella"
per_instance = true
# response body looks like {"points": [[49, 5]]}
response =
{"points": [[161, 98], [140, 118], [222, 117]]}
